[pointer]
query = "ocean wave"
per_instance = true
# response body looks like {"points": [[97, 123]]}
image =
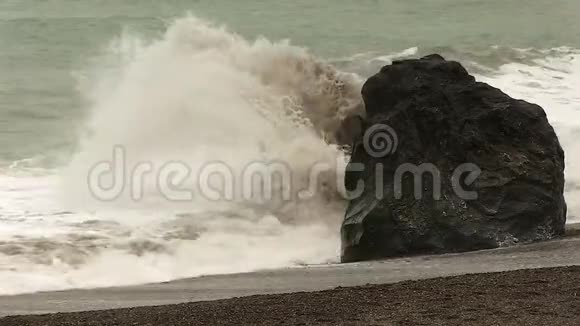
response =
{"points": [[203, 94], [200, 94], [478, 60]]}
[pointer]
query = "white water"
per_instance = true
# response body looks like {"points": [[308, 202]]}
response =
{"points": [[198, 95], [201, 94]]}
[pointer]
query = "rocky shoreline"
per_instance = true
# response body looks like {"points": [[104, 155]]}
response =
{"points": [[445, 120]]}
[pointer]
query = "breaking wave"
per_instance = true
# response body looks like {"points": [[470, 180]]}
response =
{"points": [[202, 94]]}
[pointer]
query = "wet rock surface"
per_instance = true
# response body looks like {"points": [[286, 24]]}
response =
{"points": [[449, 164]]}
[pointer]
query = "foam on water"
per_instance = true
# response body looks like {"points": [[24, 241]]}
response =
{"points": [[44, 248], [202, 94], [198, 95]]}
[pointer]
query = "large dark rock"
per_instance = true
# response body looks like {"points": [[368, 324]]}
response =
{"points": [[442, 118]]}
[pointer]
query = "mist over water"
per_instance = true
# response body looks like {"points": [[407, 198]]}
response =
{"points": [[202, 94], [199, 93]]}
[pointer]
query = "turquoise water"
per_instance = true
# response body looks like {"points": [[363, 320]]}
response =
{"points": [[44, 44], [80, 77]]}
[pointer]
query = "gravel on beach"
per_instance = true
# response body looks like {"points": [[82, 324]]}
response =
{"points": [[526, 297]]}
